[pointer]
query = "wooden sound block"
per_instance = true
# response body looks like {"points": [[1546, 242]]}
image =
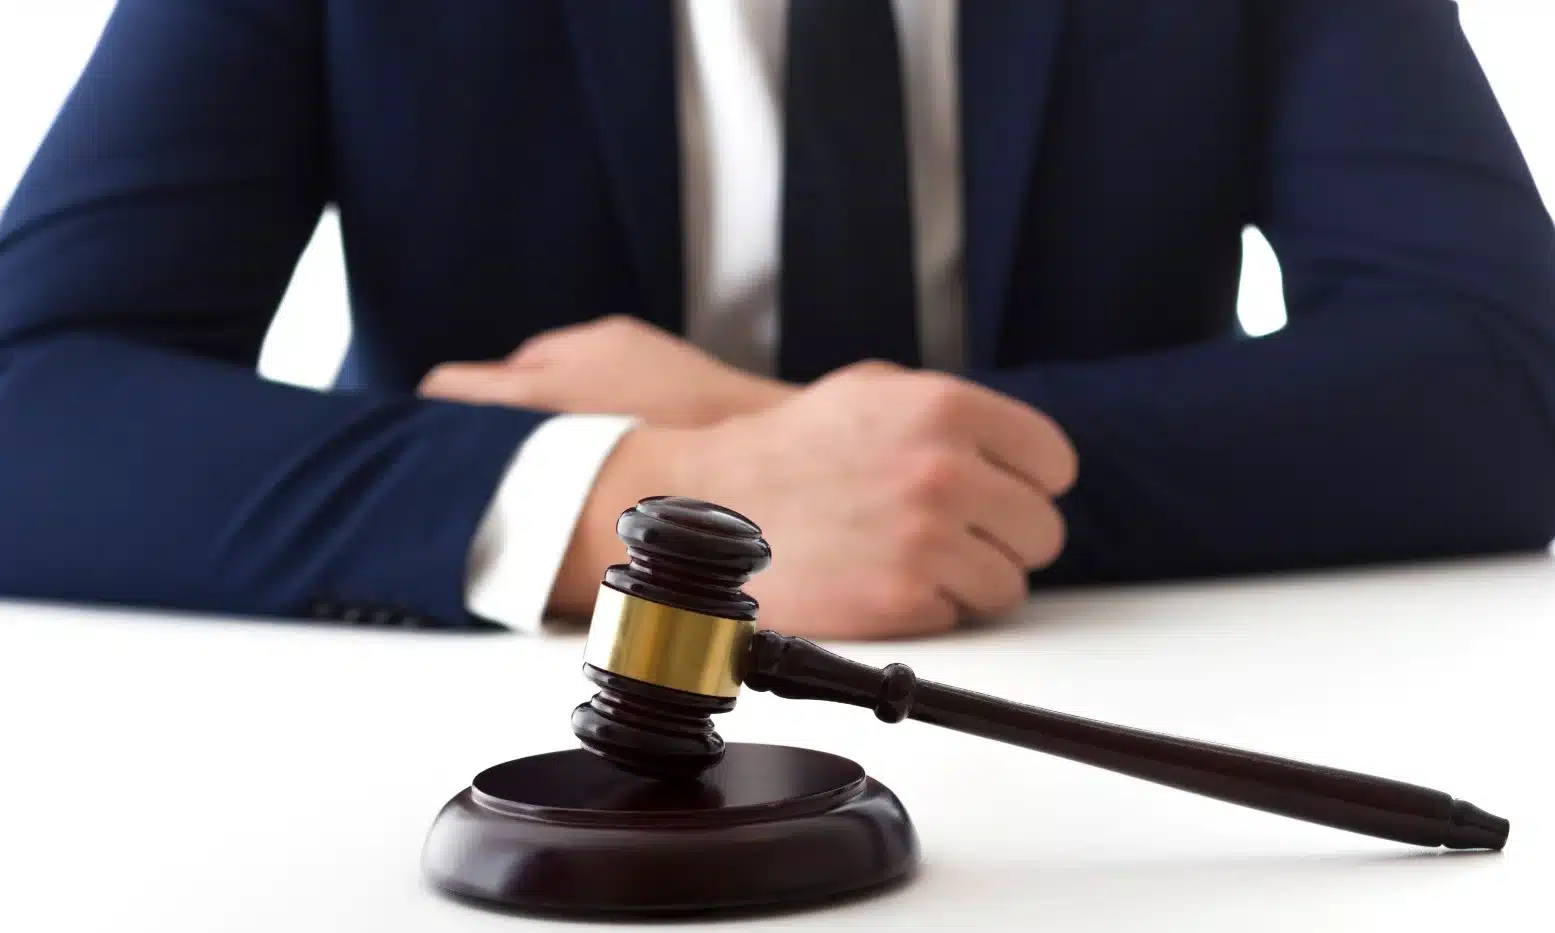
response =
{"points": [[770, 826]]}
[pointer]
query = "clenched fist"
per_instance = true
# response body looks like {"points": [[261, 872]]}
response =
{"points": [[896, 502]]}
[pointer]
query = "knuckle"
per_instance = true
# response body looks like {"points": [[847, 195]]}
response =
{"points": [[862, 373], [934, 477], [615, 321], [611, 327], [941, 402], [871, 368]]}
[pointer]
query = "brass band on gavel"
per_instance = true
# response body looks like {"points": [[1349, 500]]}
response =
{"points": [[667, 646]]}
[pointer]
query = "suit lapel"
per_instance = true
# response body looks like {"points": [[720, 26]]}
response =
{"points": [[627, 56], [1007, 50]]}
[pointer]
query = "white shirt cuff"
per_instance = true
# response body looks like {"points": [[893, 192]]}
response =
{"points": [[521, 541]]}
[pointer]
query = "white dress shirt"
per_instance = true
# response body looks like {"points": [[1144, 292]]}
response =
{"points": [[731, 70]]}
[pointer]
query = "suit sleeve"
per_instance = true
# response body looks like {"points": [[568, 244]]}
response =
{"points": [[521, 543], [1405, 411], [143, 256]]}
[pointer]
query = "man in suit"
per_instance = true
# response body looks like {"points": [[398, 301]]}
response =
{"points": [[941, 294]]}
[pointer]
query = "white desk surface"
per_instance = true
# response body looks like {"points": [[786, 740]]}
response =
{"points": [[185, 774]]}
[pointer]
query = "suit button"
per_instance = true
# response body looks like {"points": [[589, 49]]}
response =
{"points": [[381, 617], [352, 614], [324, 609]]}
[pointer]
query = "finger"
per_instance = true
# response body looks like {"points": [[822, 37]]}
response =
{"points": [[1022, 439], [979, 576], [1010, 512], [939, 611], [476, 383], [1029, 444]]}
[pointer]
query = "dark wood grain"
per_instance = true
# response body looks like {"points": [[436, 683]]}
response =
{"points": [[692, 555], [767, 827], [689, 554], [1360, 803], [656, 814], [647, 729]]}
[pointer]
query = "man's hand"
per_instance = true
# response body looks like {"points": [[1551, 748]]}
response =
{"points": [[614, 365], [896, 502]]}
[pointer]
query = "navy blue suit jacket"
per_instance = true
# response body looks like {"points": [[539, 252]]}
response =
{"points": [[507, 166]]}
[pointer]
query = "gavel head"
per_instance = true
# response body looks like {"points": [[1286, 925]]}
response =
{"points": [[669, 636]]}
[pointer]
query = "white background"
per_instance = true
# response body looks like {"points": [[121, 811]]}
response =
{"points": [[44, 43], [282, 777]]}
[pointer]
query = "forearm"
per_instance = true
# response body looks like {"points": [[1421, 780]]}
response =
{"points": [[145, 476], [1410, 428]]}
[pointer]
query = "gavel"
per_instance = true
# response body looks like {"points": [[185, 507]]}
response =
{"points": [[673, 640]]}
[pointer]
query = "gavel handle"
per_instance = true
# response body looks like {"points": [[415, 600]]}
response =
{"points": [[798, 669]]}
